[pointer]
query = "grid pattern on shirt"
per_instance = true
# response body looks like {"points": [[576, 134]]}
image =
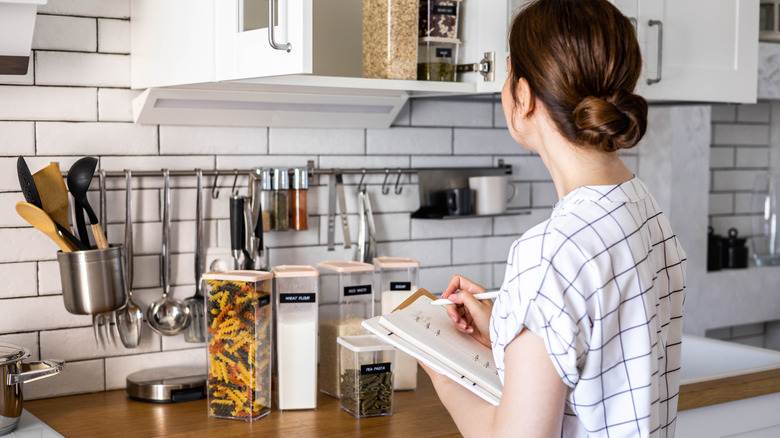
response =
{"points": [[602, 282]]}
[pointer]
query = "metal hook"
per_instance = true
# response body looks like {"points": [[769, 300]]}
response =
{"points": [[385, 188], [214, 190], [360, 186], [234, 190], [398, 188]]}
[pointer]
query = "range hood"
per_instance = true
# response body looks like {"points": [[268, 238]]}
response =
{"points": [[17, 22]]}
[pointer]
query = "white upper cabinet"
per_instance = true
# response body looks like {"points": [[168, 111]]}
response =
{"points": [[697, 50]]}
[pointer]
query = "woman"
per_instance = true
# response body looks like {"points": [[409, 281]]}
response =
{"points": [[586, 329]]}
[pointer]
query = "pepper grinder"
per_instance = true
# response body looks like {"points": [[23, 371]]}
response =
{"points": [[298, 199]]}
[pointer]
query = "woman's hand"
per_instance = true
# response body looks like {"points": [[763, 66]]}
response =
{"points": [[469, 315]]}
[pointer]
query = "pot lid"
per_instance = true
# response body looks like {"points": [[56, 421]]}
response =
{"points": [[11, 353]]}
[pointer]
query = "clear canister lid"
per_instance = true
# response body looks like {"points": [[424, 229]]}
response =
{"points": [[361, 343], [345, 266], [295, 271], [395, 262], [245, 276], [11, 353], [281, 179]]}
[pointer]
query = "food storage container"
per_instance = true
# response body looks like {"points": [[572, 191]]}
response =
{"points": [[397, 280], [366, 375], [390, 39], [346, 291], [439, 18], [296, 289], [238, 318], [437, 61]]}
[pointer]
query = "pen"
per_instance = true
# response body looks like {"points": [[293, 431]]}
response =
{"points": [[482, 296]]}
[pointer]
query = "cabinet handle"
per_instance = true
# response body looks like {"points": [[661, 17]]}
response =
{"points": [[271, 39], [660, 49]]}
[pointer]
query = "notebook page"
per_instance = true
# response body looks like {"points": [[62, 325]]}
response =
{"points": [[429, 328]]}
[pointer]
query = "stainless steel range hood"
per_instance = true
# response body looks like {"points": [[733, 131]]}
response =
{"points": [[17, 22]]}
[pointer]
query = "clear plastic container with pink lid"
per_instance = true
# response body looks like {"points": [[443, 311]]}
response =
{"points": [[296, 295], [346, 299]]}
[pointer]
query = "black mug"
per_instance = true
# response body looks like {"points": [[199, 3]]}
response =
{"points": [[458, 201]]}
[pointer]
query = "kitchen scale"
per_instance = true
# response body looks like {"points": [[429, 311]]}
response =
{"points": [[167, 384]]}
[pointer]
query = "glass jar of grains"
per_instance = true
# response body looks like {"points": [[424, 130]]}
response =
{"points": [[390, 30]]}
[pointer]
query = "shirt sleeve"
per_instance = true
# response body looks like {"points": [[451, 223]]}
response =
{"points": [[539, 295]]}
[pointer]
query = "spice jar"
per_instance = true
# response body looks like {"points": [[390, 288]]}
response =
{"points": [[397, 280], [266, 198], [238, 318], [366, 375], [346, 291], [390, 39], [296, 291], [298, 197], [280, 203]]}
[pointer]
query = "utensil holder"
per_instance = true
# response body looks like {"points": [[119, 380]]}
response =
{"points": [[93, 281]]}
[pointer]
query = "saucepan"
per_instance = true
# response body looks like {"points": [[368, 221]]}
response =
{"points": [[12, 374]]}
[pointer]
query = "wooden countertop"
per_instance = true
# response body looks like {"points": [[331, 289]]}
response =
{"points": [[415, 413]]}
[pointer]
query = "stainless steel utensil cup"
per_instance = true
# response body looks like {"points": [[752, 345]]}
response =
{"points": [[93, 281]]}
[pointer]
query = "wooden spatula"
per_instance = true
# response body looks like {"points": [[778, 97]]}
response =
{"points": [[43, 222], [53, 193]]}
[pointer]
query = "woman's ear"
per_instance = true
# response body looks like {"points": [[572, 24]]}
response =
{"points": [[526, 101]]}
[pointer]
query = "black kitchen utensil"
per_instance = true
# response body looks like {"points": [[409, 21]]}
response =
{"points": [[30, 192], [237, 231], [79, 178], [735, 252]]}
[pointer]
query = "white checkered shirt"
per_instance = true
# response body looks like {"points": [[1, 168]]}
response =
{"points": [[602, 282]]}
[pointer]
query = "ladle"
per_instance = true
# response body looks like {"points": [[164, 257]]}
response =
{"points": [[129, 318], [196, 331], [167, 316], [79, 179]]}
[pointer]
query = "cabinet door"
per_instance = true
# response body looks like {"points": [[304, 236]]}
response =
{"points": [[709, 50], [243, 49]]}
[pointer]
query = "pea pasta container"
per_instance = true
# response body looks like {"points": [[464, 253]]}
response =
{"points": [[238, 317], [397, 280], [296, 290], [366, 375], [346, 291]]}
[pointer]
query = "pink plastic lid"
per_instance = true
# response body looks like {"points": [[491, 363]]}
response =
{"points": [[295, 271], [396, 262], [245, 276], [344, 266]]}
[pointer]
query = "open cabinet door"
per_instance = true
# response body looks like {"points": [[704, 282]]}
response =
{"points": [[243, 43]]}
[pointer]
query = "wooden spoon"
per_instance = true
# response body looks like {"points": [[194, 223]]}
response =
{"points": [[53, 193], [44, 223]]}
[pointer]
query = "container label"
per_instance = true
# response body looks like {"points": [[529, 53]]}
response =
{"points": [[443, 53], [264, 301], [375, 368], [443, 10], [357, 290], [297, 298], [400, 285]]}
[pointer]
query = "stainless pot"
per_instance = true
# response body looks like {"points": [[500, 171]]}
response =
{"points": [[12, 374]]}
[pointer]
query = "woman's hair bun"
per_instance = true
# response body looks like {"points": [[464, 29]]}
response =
{"points": [[613, 122]]}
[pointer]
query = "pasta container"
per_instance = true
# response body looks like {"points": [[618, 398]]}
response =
{"points": [[366, 375], [397, 280], [296, 291], [238, 317], [347, 298]]}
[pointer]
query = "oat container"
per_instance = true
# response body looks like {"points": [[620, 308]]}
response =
{"points": [[366, 375], [347, 298], [296, 293], [238, 317], [390, 39]]}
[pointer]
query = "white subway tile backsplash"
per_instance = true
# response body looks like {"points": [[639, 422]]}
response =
{"points": [[733, 180], [393, 227], [8, 204], [291, 141], [76, 378], [435, 112], [739, 134], [87, 8], [436, 279], [118, 368], [527, 168], [518, 224], [724, 113], [408, 200], [722, 157], [25, 79], [757, 112], [19, 280], [76, 344], [721, 203], [56, 32], [428, 252], [49, 278], [404, 117], [229, 162], [753, 157], [722, 224], [543, 194], [113, 36], [115, 104], [38, 313], [25, 340], [488, 249], [360, 162], [26, 245], [17, 138], [499, 119], [486, 141], [146, 272], [48, 103], [744, 203], [445, 229], [82, 69], [523, 197], [405, 141], [196, 140], [456, 161], [55, 138]]}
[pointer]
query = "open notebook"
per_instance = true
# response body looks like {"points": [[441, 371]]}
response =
{"points": [[427, 333]]}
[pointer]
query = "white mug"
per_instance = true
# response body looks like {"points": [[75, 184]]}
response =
{"points": [[491, 193]]}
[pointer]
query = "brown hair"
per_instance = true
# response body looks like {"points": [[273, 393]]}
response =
{"points": [[582, 60]]}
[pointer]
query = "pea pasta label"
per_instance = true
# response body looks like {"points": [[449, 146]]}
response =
{"points": [[297, 298], [375, 368], [357, 290]]}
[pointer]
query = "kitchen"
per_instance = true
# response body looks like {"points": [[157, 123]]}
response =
{"points": [[76, 99]]}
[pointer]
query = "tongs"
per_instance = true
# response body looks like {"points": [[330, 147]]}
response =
{"points": [[366, 229]]}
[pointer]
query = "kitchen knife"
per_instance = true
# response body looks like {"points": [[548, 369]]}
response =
{"points": [[331, 212], [343, 209]]}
